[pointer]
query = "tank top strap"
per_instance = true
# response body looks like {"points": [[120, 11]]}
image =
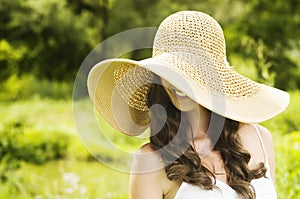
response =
{"points": [[263, 146]]}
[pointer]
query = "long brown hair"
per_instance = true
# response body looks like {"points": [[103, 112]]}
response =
{"points": [[172, 141]]}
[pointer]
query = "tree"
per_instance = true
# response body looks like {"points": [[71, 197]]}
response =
{"points": [[270, 33], [54, 38]]}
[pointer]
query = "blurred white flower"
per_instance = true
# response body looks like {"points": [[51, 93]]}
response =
{"points": [[296, 146], [72, 180]]}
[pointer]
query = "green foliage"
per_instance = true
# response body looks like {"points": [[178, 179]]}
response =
{"points": [[287, 122], [17, 145], [287, 165], [51, 38], [27, 86], [124, 142], [9, 59], [43, 138], [54, 38], [8, 149], [268, 31], [27, 180], [77, 151], [38, 148], [44, 42]]}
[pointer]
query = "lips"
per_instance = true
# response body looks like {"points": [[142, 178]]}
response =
{"points": [[179, 93]]}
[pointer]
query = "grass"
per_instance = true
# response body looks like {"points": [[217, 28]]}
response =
{"points": [[40, 115], [287, 154], [68, 179], [79, 175]]}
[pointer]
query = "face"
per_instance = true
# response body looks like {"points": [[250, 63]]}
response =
{"points": [[181, 101]]}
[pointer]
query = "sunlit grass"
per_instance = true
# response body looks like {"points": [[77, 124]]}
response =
{"points": [[40, 115], [287, 154], [69, 179]]}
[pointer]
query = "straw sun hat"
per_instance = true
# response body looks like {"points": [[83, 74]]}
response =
{"points": [[189, 52]]}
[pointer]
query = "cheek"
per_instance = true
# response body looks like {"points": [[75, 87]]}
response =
{"points": [[187, 105], [183, 104]]}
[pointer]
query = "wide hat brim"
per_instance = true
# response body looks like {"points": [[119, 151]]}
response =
{"points": [[261, 105]]}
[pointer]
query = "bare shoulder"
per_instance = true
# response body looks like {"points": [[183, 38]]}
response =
{"points": [[265, 134], [267, 141], [146, 175], [261, 150], [248, 131], [250, 138], [148, 178], [146, 159]]}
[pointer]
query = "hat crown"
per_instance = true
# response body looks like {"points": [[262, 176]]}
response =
{"points": [[189, 52], [193, 33]]}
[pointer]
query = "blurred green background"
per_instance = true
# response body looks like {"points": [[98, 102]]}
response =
{"points": [[42, 45]]}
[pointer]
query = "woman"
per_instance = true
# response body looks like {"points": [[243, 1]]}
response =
{"points": [[202, 115]]}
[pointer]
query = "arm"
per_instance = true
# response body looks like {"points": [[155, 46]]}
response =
{"points": [[269, 147], [251, 143], [146, 175]]}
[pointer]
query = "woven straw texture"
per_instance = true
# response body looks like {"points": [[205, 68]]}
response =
{"points": [[197, 47], [189, 49]]}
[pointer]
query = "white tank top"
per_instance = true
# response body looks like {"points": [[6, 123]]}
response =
{"points": [[264, 187]]}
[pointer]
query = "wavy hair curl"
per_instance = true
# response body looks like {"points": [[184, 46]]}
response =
{"points": [[173, 142]]}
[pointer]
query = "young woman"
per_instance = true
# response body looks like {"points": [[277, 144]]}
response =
{"points": [[205, 141]]}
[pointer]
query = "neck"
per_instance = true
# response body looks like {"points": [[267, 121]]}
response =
{"points": [[200, 120]]}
